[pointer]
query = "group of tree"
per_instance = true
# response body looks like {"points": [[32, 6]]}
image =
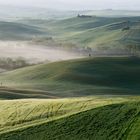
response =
{"points": [[126, 26], [10, 64], [84, 16]]}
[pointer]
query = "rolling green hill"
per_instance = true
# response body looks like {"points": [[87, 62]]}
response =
{"points": [[18, 31], [84, 99], [91, 76], [109, 37], [101, 33], [16, 114], [71, 119]]}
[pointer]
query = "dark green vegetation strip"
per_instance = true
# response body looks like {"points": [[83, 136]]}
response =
{"points": [[10, 93], [105, 123]]}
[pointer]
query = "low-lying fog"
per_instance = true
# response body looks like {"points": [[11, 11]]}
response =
{"points": [[34, 53]]}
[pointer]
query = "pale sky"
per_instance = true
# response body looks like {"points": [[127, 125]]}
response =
{"points": [[77, 4]]}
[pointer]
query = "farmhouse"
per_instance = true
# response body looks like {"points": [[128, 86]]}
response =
{"points": [[84, 16]]}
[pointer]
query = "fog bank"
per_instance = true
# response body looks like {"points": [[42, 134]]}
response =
{"points": [[34, 53]]}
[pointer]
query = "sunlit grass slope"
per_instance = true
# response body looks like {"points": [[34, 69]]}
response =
{"points": [[72, 119], [91, 76], [23, 113]]}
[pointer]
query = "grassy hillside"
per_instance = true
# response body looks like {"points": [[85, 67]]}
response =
{"points": [[81, 118], [93, 76], [18, 31], [16, 114], [101, 33], [109, 37], [84, 99]]}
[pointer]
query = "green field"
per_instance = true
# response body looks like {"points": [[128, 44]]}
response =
{"points": [[93, 98], [97, 33], [86, 118], [91, 76], [12, 31], [101, 33]]}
